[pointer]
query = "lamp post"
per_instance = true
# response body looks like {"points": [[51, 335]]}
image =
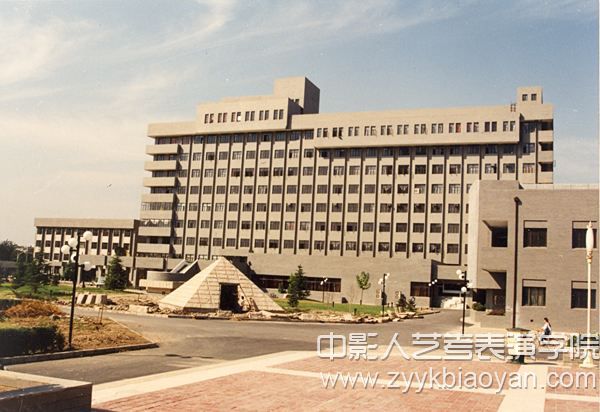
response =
{"points": [[463, 290], [431, 286], [323, 282], [589, 249], [72, 247], [383, 295]]}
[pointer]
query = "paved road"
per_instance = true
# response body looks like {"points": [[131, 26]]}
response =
{"points": [[186, 343]]}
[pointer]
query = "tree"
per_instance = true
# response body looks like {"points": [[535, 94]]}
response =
{"points": [[116, 278], [402, 303], [36, 274], [297, 287], [363, 283], [19, 276], [8, 250]]}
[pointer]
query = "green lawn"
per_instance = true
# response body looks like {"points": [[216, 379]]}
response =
{"points": [[311, 305], [48, 292]]}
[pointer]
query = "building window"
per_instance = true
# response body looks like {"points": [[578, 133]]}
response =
{"points": [[452, 248], [453, 228], [535, 237], [420, 169], [528, 168], [400, 247], [534, 296], [508, 168], [578, 235], [579, 295], [499, 236], [437, 169], [417, 247], [435, 228]]}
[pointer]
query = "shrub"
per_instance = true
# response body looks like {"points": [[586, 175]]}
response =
{"points": [[297, 288], [32, 309], [478, 307], [23, 341]]}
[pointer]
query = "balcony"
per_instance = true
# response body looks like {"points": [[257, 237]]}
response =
{"points": [[161, 248], [154, 231], [159, 181], [162, 149], [156, 214], [160, 165], [158, 197]]}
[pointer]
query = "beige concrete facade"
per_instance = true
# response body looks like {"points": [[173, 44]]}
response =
{"points": [[271, 179], [53, 233], [551, 268]]}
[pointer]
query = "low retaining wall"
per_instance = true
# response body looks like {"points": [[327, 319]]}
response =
{"points": [[41, 393]]}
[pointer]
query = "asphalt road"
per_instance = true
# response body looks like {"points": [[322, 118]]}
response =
{"points": [[186, 343]]}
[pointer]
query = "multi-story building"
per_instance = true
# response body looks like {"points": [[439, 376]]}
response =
{"points": [[108, 235], [275, 182], [538, 233]]}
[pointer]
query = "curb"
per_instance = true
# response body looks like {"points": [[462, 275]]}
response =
{"points": [[16, 360]]}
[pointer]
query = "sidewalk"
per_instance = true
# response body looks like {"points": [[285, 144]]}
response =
{"points": [[294, 381]]}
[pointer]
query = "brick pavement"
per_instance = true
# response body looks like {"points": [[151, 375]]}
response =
{"points": [[292, 381]]}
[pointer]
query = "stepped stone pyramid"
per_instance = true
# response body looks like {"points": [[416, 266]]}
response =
{"points": [[203, 291]]}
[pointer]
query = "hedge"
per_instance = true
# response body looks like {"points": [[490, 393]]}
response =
{"points": [[24, 341]]}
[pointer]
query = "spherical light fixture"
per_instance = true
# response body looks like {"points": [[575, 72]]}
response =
{"points": [[463, 289], [87, 235], [72, 242], [65, 249]]}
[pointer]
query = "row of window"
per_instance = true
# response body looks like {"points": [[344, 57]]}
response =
{"points": [[71, 231], [236, 117], [538, 237], [386, 170], [236, 138], [419, 128], [536, 296], [451, 248], [304, 207], [436, 188], [322, 226]]}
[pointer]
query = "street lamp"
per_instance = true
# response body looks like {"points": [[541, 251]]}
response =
{"points": [[589, 249], [463, 290], [383, 295], [323, 282], [72, 247], [431, 286]]}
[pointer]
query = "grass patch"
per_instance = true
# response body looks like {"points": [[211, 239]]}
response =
{"points": [[49, 292], [311, 305]]}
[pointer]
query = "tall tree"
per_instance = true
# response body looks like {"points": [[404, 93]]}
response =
{"points": [[8, 250], [297, 287], [116, 278], [364, 283]]}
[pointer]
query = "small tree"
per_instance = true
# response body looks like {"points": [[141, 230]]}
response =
{"points": [[402, 303], [36, 274], [412, 304], [363, 283], [116, 278], [297, 287], [19, 276]]}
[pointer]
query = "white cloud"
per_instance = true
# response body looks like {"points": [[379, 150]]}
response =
{"points": [[31, 50]]}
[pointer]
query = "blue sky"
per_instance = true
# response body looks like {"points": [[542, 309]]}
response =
{"points": [[79, 81]]}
